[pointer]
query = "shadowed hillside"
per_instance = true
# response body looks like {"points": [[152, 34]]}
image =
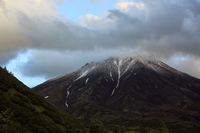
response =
{"points": [[24, 111]]}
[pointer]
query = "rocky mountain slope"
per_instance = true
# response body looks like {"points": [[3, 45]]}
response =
{"points": [[129, 87]]}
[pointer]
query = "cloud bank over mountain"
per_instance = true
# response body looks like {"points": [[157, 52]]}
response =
{"points": [[166, 30]]}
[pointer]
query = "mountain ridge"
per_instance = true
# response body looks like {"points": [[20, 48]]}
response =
{"points": [[114, 59], [130, 88], [126, 78]]}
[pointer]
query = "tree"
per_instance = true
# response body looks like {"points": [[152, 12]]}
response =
{"points": [[5, 68], [163, 128], [119, 129], [97, 127], [123, 129], [78, 130]]}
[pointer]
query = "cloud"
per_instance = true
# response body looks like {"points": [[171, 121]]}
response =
{"points": [[96, 23], [185, 64], [12, 34], [160, 29], [50, 64], [126, 6], [96, 1]]}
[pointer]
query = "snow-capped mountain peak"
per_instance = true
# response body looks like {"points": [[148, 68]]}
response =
{"points": [[125, 85]]}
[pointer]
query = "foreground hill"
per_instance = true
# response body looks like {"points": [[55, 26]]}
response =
{"points": [[131, 88], [24, 111]]}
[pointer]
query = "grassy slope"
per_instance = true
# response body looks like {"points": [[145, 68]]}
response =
{"points": [[31, 112]]}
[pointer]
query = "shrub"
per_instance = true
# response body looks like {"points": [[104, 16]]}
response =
{"points": [[3, 87], [163, 128], [54, 129], [22, 97], [6, 119], [54, 116], [69, 129], [36, 128], [17, 100], [78, 131], [119, 129], [97, 127], [34, 100]]}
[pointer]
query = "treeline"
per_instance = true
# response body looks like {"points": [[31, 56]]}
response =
{"points": [[94, 127]]}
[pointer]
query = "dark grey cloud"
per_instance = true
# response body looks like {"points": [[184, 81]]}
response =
{"points": [[50, 63], [160, 29], [164, 20]]}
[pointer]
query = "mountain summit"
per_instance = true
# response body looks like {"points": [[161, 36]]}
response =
{"points": [[132, 86]]}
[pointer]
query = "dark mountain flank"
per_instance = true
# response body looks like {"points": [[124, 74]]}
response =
{"points": [[131, 87], [24, 111]]}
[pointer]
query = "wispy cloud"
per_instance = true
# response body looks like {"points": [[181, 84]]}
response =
{"points": [[96, 1]]}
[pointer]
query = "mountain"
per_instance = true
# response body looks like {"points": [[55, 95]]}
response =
{"points": [[132, 87], [24, 111]]}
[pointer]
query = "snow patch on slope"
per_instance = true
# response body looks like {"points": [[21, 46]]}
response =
{"points": [[111, 76], [86, 80], [66, 103], [106, 79], [93, 67], [128, 66], [119, 73], [82, 75], [113, 92]]}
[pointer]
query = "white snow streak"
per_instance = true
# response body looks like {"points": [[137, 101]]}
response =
{"points": [[105, 79], [126, 77], [66, 104], [93, 67], [82, 75], [46, 97], [113, 92], [69, 87], [128, 66], [67, 94], [111, 76], [119, 73], [86, 80]]}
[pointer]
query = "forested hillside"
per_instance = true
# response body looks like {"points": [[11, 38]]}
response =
{"points": [[24, 111]]}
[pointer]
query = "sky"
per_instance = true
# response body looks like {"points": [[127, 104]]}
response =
{"points": [[43, 39]]}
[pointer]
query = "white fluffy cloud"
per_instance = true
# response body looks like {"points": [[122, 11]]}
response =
{"points": [[13, 33], [97, 23], [126, 6]]}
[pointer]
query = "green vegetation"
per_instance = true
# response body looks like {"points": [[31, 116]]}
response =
{"points": [[24, 111], [119, 129], [163, 128], [97, 127], [6, 118]]}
